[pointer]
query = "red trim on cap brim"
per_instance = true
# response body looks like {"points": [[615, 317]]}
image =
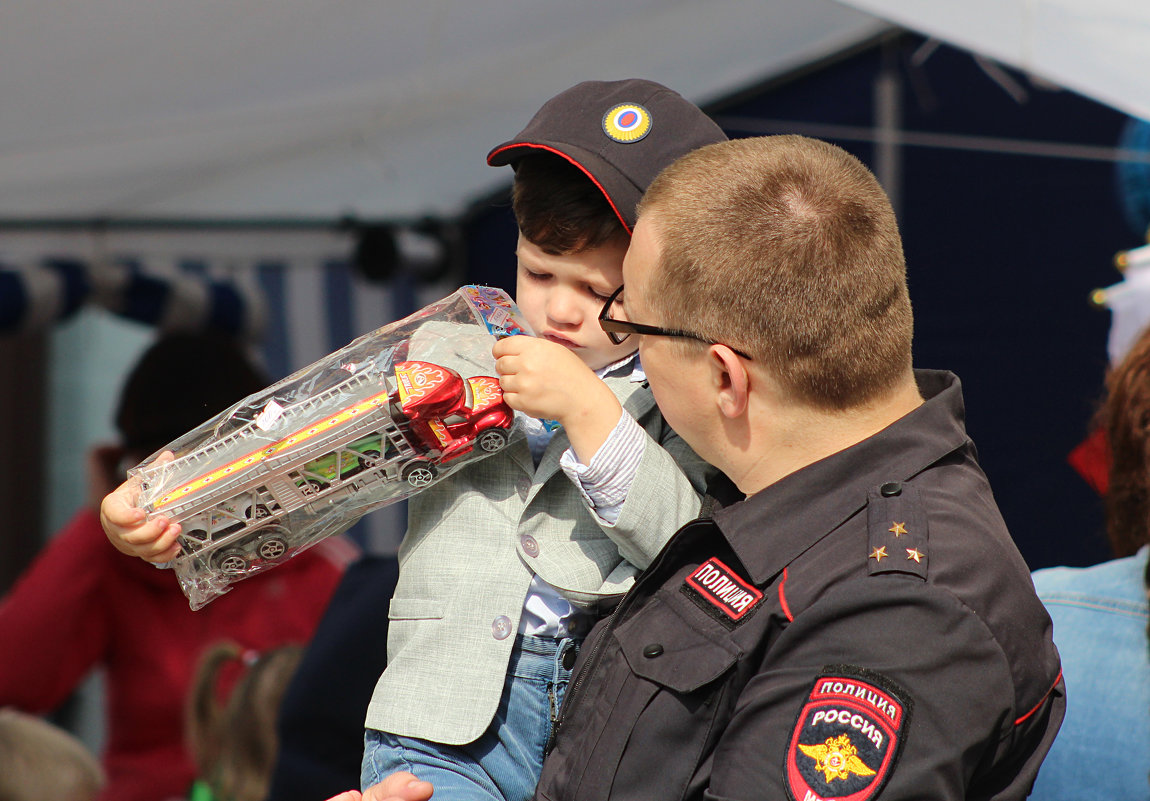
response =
{"points": [[571, 159]]}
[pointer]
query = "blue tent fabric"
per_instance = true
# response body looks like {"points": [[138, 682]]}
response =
{"points": [[66, 285], [1133, 177]]}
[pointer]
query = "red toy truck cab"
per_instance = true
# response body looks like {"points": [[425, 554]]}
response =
{"points": [[448, 413]]}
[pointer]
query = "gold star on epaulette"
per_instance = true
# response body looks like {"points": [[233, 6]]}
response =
{"points": [[915, 554], [898, 529], [878, 554]]}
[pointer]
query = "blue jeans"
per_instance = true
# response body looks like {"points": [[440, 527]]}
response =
{"points": [[504, 763], [1100, 616]]}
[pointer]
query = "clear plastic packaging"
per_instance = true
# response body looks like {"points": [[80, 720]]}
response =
{"points": [[373, 423]]}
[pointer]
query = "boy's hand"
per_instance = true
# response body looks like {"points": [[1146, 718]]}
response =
{"points": [[396, 787], [129, 529], [548, 381]]}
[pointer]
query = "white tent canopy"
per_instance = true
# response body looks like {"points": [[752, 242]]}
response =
{"points": [[1099, 48], [240, 109]]}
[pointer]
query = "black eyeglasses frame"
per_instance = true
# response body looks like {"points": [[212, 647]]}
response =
{"points": [[614, 328]]}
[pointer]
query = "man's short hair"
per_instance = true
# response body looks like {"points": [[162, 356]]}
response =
{"points": [[787, 248], [558, 209]]}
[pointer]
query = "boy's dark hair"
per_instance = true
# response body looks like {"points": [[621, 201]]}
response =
{"points": [[558, 209]]}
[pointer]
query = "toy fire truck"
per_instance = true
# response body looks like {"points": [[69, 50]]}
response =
{"points": [[368, 425], [427, 416]]}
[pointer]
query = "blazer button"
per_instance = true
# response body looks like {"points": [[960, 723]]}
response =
{"points": [[653, 650], [530, 545], [501, 627], [890, 489]]}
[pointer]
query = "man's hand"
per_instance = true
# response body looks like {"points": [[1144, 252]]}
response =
{"points": [[400, 786], [548, 381], [128, 528]]}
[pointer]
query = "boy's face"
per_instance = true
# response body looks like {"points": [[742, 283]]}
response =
{"points": [[561, 296]]}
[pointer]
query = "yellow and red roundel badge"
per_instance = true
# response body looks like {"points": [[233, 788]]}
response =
{"points": [[627, 122], [847, 737]]}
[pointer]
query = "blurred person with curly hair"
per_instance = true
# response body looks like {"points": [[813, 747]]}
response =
{"points": [[1101, 616]]}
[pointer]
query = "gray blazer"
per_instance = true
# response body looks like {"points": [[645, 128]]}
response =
{"points": [[464, 571]]}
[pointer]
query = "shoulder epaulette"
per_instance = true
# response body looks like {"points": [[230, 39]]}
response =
{"points": [[896, 530]]}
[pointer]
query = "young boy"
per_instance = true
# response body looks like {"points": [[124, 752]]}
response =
{"points": [[507, 563]]}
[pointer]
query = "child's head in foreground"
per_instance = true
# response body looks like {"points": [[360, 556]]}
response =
{"points": [[40, 761], [581, 166]]}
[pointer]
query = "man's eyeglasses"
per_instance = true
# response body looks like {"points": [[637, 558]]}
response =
{"points": [[619, 330]]}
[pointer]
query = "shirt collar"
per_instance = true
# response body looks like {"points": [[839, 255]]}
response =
{"points": [[771, 528], [629, 366]]}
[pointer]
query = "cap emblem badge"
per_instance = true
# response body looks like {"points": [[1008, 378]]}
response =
{"points": [[627, 123]]}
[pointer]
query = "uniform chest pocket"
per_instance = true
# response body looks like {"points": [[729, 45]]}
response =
{"points": [[666, 647], [660, 707]]}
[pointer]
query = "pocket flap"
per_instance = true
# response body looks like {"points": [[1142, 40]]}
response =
{"points": [[414, 609], [662, 646]]}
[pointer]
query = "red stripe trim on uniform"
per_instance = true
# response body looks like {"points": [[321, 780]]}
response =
{"points": [[611, 202], [1043, 701], [783, 598]]}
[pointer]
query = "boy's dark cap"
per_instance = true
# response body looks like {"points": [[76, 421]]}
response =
{"points": [[621, 134]]}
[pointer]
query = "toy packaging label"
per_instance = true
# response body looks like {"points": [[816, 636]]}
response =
{"points": [[495, 310], [384, 417]]}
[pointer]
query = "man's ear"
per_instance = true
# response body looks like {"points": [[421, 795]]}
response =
{"points": [[731, 380]]}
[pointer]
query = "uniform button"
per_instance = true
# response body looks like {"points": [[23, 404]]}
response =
{"points": [[530, 545], [569, 659], [890, 489], [653, 650], [501, 627]]}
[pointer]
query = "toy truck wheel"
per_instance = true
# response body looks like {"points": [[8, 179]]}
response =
{"points": [[197, 534], [192, 540], [418, 473], [257, 512], [369, 459], [492, 440], [309, 488], [272, 548], [231, 562]]}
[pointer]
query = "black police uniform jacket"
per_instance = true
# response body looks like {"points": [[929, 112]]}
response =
{"points": [[863, 628]]}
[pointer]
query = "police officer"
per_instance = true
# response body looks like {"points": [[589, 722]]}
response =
{"points": [[854, 622]]}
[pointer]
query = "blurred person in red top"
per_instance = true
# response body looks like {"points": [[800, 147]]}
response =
{"points": [[83, 605]]}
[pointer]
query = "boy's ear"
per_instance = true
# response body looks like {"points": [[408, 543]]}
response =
{"points": [[731, 381]]}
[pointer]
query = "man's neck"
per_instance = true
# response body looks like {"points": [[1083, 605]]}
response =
{"points": [[798, 436]]}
